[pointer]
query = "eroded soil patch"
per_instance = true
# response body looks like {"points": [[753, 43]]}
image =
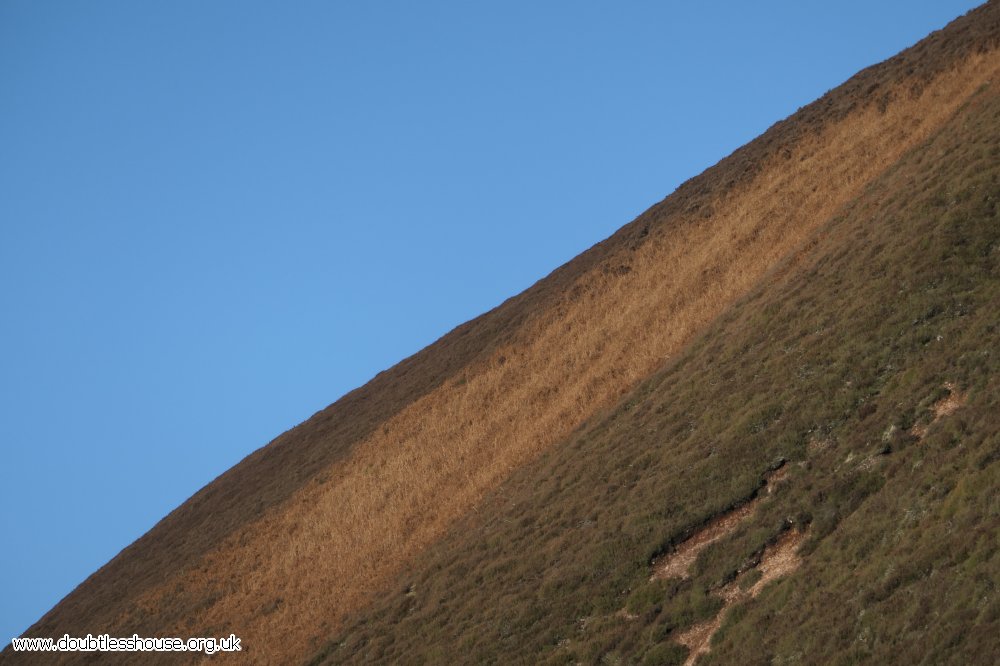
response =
{"points": [[946, 406], [779, 559], [678, 563]]}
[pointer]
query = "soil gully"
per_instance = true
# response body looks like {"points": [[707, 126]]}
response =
{"points": [[678, 563], [779, 559]]}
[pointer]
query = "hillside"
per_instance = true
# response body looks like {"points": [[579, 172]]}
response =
{"points": [[799, 343], [852, 397]]}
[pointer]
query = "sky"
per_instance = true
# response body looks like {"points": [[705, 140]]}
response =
{"points": [[218, 217]]}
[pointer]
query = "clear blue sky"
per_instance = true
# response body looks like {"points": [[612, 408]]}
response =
{"points": [[217, 217]]}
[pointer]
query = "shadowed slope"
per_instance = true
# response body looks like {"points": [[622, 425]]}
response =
{"points": [[308, 528]]}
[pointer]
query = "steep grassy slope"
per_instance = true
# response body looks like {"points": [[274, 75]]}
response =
{"points": [[835, 365], [310, 529]]}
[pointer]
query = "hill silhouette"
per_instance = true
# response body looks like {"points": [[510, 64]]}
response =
{"points": [[796, 349]]}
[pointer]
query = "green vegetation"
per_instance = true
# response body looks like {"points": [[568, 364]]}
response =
{"points": [[828, 365]]}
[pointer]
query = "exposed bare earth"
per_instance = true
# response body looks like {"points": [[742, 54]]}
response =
{"points": [[777, 560], [950, 404], [678, 563], [697, 638], [944, 407], [780, 559]]}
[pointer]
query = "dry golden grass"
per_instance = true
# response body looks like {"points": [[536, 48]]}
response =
{"points": [[293, 574]]}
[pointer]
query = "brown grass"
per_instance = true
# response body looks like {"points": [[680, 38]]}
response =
{"points": [[331, 546]]}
